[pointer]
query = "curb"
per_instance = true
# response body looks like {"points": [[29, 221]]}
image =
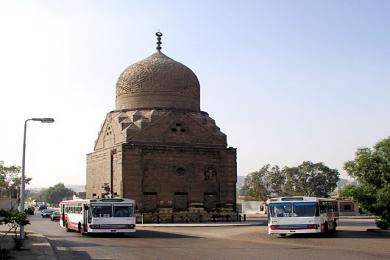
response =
{"points": [[377, 230], [356, 217], [35, 246]]}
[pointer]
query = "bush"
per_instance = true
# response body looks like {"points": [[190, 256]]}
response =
{"points": [[382, 224], [13, 219]]}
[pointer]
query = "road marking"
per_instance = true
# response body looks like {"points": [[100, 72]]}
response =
{"points": [[40, 244]]}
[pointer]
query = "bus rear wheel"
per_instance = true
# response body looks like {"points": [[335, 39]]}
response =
{"points": [[334, 226]]}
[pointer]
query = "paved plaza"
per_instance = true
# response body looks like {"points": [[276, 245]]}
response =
{"points": [[225, 241]]}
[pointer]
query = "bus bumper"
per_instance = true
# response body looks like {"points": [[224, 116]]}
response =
{"points": [[114, 231], [294, 230], [111, 228]]}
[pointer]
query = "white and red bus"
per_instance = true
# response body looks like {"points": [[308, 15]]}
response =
{"points": [[288, 215], [112, 215]]}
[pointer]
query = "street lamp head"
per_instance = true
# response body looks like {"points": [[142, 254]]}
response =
{"points": [[44, 120]]}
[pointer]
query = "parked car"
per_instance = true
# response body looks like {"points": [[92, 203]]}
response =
{"points": [[55, 216], [42, 207], [29, 211], [46, 213]]}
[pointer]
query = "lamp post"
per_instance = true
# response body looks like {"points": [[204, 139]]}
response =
{"points": [[22, 181]]}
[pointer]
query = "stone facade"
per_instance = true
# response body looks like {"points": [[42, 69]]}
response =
{"points": [[158, 148]]}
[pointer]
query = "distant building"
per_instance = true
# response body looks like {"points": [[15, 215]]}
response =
{"points": [[159, 148], [347, 207], [249, 205]]}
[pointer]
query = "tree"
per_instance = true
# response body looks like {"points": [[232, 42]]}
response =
{"points": [[310, 179], [262, 184], [10, 180], [348, 191], [371, 168], [307, 179], [57, 193]]}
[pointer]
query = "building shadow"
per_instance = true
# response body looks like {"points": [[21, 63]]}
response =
{"points": [[341, 234], [143, 234]]}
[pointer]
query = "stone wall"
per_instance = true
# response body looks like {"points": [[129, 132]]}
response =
{"points": [[179, 178]]}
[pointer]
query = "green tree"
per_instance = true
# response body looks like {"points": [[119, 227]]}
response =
{"points": [[307, 179], [371, 168], [310, 179], [55, 194], [348, 191], [262, 184], [10, 180]]}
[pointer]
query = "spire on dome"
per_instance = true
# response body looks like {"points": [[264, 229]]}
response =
{"points": [[159, 34]]}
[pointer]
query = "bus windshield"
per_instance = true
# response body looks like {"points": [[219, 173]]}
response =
{"points": [[293, 209], [102, 211], [123, 211]]}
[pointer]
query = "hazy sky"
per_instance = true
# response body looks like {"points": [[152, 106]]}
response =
{"points": [[287, 81]]}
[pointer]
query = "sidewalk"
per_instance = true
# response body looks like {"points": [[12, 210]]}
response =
{"points": [[36, 246]]}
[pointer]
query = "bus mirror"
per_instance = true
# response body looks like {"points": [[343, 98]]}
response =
{"points": [[86, 207]]}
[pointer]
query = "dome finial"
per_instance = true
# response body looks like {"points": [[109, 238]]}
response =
{"points": [[158, 34]]}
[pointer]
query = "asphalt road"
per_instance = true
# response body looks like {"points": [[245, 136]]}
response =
{"points": [[352, 241]]}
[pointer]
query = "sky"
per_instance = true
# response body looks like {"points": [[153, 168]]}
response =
{"points": [[287, 81]]}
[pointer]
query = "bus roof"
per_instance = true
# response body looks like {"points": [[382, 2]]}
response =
{"points": [[112, 200], [297, 199], [107, 200], [74, 201]]}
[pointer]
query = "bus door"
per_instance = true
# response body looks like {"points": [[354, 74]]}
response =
{"points": [[86, 212], [62, 218]]}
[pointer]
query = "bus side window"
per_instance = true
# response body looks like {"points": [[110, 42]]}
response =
{"points": [[322, 207]]}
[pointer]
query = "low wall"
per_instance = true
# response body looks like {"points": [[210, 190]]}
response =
{"points": [[8, 204]]}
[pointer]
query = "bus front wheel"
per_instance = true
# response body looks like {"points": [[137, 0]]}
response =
{"points": [[325, 230], [81, 229], [66, 227]]}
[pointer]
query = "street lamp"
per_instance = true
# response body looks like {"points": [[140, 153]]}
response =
{"points": [[22, 181]]}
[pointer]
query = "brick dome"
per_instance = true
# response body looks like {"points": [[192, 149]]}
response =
{"points": [[158, 82]]}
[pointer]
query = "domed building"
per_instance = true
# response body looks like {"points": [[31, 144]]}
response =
{"points": [[159, 148]]}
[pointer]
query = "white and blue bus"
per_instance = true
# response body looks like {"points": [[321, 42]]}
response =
{"points": [[114, 215], [299, 214]]}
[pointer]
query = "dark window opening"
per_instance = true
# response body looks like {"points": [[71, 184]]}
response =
{"points": [[180, 202], [150, 193], [180, 171], [210, 174], [150, 202], [348, 207], [210, 201]]}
